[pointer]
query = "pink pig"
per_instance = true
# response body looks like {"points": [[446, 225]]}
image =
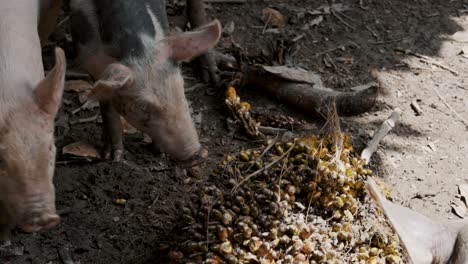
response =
{"points": [[28, 105]]}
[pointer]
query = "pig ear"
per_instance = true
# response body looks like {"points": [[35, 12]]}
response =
{"points": [[185, 46], [421, 236], [115, 77], [48, 92]]}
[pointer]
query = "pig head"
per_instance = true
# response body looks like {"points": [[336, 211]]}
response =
{"points": [[150, 93], [27, 150], [426, 241]]}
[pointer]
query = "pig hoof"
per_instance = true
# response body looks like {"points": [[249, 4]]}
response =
{"points": [[197, 159], [45, 222], [116, 155]]}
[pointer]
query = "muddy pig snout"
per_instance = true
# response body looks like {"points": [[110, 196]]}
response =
{"points": [[196, 159], [40, 222], [37, 217]]}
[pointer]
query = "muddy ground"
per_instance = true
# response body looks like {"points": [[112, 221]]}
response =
{"points": [[423, 159]]}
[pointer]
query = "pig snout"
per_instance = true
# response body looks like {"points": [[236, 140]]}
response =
{"points": [[37, 215], [40, 221], [196, 159]]}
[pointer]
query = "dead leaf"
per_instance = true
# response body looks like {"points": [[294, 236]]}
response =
{"points": [[77, 86], [460, 36], [273, 17], [147, 139], [295, 74], [83, 96], [463, 190], [81, 149], [314, 22], [459, 209], [127, 128], [87, 104], [346, 60]]}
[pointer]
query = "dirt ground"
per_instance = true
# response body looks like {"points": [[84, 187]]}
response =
{"points": [[423, 159]]}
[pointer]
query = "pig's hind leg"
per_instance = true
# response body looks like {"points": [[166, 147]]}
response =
{"points": [[206, 62], [112, 137]]}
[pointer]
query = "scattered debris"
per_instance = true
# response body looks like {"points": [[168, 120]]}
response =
{"points": [[11, 251], [240, 111], [78, 86], [416, 108], [273, 17], [81, 149], [314, 22], [459, 209], [127, 128], [85, 120], [463, 190], [64, 254], [428, 60], [463, 120], [228, 29], [432, 146]]}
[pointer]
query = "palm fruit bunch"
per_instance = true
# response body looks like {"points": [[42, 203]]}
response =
{"points": [[301, 201]]}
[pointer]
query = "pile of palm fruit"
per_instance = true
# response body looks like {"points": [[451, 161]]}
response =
{"points": [[302, 201]]}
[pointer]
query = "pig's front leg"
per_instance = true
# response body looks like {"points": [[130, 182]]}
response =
{"points": [[111, 132]]}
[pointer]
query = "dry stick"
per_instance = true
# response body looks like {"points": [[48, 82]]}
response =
{"points": [[372, 32], [386, 126], [428, 60], [266, 24], [463, 120], [65, 255], [85, 120], [361, 4], [253, 174], [271, 130], [342, 20], [415, 106], [387, 41]]}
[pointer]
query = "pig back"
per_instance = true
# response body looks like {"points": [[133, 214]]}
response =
{"points": [[20, 51], [123, 27]]}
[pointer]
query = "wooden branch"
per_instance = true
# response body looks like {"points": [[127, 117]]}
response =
{"points": [[304, 91], [386, 126]]}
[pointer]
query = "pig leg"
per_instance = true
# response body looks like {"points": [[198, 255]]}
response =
{"points": [[112, 131], [50, 11], [197, 16]]}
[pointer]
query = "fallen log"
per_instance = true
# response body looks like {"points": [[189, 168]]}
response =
{"points": [[304, 90]]}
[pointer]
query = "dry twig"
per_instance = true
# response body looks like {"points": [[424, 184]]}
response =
{"points": [[428, 60], [341, 19], [415, 106], [463, 120]]}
